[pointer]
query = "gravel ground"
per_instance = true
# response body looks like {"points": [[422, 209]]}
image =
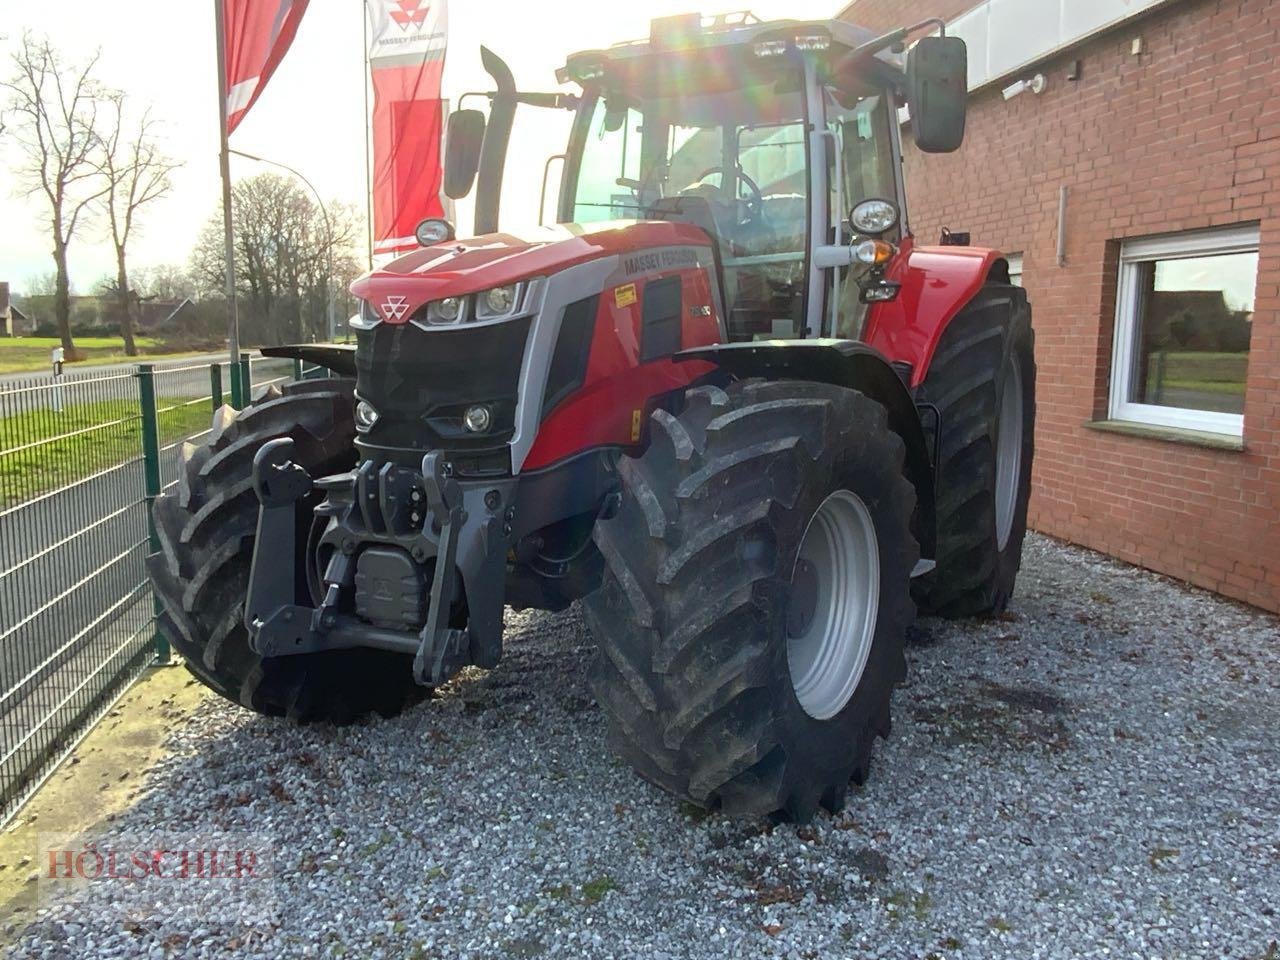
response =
{"points": [[1093, 775]]}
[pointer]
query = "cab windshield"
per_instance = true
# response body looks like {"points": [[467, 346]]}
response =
{"points": [[734, 162]]}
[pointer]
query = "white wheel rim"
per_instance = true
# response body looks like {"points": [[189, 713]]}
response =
{"points": [[835, 596], [1008, 451]]}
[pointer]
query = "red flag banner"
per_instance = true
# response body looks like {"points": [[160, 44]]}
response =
{"points": [[258, 34], [407, 41]]}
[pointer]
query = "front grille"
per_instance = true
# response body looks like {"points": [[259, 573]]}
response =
{"points": [[421, 382]]}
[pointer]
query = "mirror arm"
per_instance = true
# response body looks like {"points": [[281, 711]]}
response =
{"points": [[890, 39], [553, 101]]}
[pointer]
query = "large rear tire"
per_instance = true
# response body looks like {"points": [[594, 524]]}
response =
{"points": [[755, 598], [982, 380], [207, 531]]}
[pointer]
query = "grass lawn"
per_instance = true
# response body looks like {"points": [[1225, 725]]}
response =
{"points": [[41, 450], [21, 354]]}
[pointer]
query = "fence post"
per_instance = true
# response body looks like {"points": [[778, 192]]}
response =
{"points": [[215, 385], [297, 368], [246, 381], [233, 375], [151, 479]]}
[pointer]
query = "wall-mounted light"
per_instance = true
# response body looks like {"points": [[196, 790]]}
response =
{"points": [[1037, 84]]}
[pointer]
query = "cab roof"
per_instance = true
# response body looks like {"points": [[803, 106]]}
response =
{"points": [[722, 46]]}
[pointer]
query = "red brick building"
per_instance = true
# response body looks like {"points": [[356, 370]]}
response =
{"points": [[1158, 328]]}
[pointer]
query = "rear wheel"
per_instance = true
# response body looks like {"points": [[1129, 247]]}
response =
{"points": [[755, 597], [982, 380], [207, 531]]}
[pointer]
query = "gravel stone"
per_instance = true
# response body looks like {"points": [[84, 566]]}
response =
{"points": [[1094, 774]]}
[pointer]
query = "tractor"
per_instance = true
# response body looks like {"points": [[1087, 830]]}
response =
{"points": [[727, 404]]}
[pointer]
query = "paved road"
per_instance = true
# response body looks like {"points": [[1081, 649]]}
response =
{"points": [[7, 380], [185, 378]]}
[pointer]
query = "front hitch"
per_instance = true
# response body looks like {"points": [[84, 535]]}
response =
{"points": [[442, 650], [463, 529]]}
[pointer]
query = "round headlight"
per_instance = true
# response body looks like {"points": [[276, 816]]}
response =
{"points": [[433, 231], [500, 299], [449, 308], [366, 416], [874, 217], [477, 419]]}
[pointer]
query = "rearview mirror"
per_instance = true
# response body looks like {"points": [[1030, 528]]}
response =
{"points": [[463, 139], [937, 90]]}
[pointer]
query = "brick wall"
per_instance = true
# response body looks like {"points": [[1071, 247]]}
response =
{"points": [[1184, 136]]}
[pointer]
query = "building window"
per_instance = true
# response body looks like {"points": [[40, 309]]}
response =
{"points": [[1184, 310], [1015, 268]]}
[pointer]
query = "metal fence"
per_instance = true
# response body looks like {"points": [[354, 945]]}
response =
{"points": [[81, 457]]}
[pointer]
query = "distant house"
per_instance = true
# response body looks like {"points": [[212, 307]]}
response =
{"points": [[157, 315], [13, 321]]}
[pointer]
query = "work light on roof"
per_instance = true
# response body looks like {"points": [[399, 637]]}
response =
{"points": [[771, 48], [814, 41]]}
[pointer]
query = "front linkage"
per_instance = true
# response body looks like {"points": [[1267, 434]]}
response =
{"points": [[403, 520]]}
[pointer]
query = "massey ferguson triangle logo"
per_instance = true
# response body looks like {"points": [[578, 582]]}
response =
{"points": [[394, 308], [408, 13]]}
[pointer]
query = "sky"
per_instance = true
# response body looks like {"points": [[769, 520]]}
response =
{"points": [[161, 53]]}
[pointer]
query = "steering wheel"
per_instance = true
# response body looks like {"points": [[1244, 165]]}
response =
{"points": [[755, 202]]}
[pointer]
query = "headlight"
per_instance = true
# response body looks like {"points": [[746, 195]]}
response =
{"points": [[447, 310], [366, 416], [874, 217], [477, 419], [497, 302], [366, 319]]}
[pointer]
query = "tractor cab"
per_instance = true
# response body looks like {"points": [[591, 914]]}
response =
{"points": [[780, 140]]}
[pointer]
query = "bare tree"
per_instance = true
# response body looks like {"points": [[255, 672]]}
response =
{"points": [[54, 108], [284, 250], [43, 285], [165, 281], [135, 173]]}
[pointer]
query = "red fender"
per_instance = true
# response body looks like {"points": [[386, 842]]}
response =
{"points": [[936, 283]]}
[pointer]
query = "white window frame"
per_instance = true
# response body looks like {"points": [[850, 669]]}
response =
{"points": [[1015, 269], [1134, 253]]}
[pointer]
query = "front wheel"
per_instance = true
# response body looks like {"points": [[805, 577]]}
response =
{"points": [[982, 381], [756, 596]]}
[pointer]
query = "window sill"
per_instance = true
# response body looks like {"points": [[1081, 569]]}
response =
{"points": [[1149, 431]]}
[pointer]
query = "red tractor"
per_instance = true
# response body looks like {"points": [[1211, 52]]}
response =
{"points": [[728, 402]]}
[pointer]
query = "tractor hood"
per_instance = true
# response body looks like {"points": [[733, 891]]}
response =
{"points": [[459, 267]]}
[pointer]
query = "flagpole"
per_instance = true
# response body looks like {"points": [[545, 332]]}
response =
{"points": [[368, 166], [228, 237]]}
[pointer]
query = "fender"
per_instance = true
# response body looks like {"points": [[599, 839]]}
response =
{"points": [[842, 363], [936, 282], [338, 357]]}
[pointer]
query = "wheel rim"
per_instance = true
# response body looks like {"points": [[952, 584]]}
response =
{"points": [[831, 617], [1008, 451]]}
